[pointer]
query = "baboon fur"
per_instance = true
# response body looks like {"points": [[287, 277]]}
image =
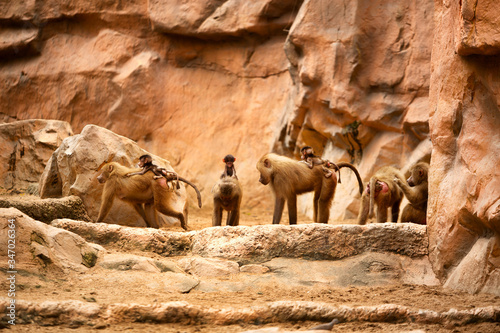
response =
{"points": [[138, 190], [417, 193], [289, 177], [227, 196], [389, 196]]}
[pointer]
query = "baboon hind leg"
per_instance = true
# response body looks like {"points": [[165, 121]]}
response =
{"points": [[316, 205], [325, 199], [171, 212], [233, 218], [150, 216], [364, 209], [292, 209], [217, 216], [381, 213], [395, 211]]}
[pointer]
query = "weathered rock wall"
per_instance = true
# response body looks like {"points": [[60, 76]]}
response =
{"points": [[25, 148], [464, 187], [189, 82], [192, 81], [361, 81]]}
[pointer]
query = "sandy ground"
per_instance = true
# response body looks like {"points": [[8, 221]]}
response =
{"points": [[107, 287]]}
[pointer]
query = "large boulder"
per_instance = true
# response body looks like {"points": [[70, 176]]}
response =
{"points": [[25, 147], [74, 166], [40, 248], [464, 183]]}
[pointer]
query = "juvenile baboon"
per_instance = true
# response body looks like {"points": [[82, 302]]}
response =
{"points": [[383, 192], [229, 169], [164, 176], [227, 196], [137, 191], [416, 191], [288, 178], [146, 163], [311, 159]]}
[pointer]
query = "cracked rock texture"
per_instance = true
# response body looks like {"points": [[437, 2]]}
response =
{"points": [[192, 81], [25, 147], [464, 187]]}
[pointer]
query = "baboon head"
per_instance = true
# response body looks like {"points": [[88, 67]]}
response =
{"points": [[418, 174], [105, 174], [266, 170]]}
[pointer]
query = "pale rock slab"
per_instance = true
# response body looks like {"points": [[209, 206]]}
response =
{"points": [[40, 248]]}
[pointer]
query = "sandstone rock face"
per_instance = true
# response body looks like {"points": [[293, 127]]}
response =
{"points": [[464, 185], [193, 81], [25, 147], [188, 100], [40, 248], [361, 79], [479, 28], [73, 170]]}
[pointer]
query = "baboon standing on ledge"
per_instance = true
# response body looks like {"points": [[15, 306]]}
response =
{"points": [[227, 196], [288, 178], [383, 192], [138, 190], [417, 192]]}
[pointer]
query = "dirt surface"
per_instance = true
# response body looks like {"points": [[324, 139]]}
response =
{"points": [[107, 287]]}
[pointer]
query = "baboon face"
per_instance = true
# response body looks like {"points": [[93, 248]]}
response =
{"points": [[417, 176], [104, 176], [265, 171]]}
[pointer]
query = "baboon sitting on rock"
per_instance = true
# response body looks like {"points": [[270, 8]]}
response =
{"points": [[417, 193]]}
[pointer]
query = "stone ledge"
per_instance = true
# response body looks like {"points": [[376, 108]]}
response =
{"points": [[261, 243], [58, 312]]}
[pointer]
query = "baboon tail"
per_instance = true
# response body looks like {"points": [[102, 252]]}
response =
{"points": [[373, 183], [198, 194], [353, 168]]}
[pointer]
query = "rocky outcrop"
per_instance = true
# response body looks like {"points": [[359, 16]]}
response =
{"points": [[40, 248], [477, 31], [25, 147], [74, 166], [464, 185], [360, 74], [193, 81]]}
